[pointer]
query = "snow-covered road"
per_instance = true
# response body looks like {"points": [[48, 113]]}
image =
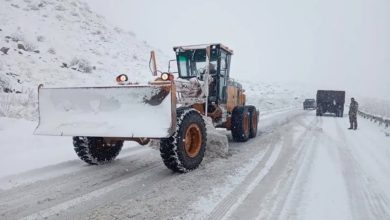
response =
{"points": [[299, 167]]}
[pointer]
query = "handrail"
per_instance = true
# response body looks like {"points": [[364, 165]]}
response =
{"points": [[377, 119]]}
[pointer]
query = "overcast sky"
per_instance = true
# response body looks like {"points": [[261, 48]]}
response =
{"points": [[333, 44]]}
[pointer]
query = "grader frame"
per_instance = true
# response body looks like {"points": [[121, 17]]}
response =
{"points": [[170, 110]]}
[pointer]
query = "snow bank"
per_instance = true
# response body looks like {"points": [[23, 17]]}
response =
{"points": [[217, 142]]}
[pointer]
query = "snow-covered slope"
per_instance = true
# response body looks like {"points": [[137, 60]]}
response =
{"points": [[272, 96], [379, 107], [62, 43]]}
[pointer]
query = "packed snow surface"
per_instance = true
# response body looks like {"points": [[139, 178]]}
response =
{"points": [[298, 167]]}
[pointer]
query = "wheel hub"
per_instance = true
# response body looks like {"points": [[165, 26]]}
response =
{"points": [[193, 140]]}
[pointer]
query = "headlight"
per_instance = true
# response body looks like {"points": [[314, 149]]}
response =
{"points": [[165, 76], [122, 78]]}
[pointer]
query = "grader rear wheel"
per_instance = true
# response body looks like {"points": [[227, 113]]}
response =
{"points": [[184, 150], [241, 123], [253, 114]]}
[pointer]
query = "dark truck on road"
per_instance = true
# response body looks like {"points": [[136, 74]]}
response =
{"points": [[330, 101], [309, 104]]}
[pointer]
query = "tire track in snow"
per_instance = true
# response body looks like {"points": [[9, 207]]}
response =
{"points": [[291, 185], [367, 200], [52, 171], [70, 194], [138, 177], [228, 206], [234, 199], [22, 201], [318, 191]]}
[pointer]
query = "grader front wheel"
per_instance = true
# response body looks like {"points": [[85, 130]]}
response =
{"points": [[193, 140], [184, 150]]}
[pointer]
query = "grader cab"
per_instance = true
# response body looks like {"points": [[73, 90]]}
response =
{"points": [[170, 110]]}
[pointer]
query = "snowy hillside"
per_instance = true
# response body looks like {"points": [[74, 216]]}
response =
{"points": [[272, 96], [61, 43], [64, 43], [377, 107]]}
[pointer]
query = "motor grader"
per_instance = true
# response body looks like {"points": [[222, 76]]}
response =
{"points": [[169, 109]]}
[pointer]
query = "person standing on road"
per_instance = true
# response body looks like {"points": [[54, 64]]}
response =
{"points": [[353, 108]]}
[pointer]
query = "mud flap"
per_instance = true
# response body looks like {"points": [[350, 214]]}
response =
{"points": [[119, 111]]}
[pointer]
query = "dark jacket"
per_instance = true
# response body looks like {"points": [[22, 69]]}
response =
{"points": [[353, 108]]}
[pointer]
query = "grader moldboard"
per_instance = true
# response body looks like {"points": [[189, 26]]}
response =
{"points": [[171, 110]]}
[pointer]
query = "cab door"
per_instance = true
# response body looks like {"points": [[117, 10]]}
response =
{"points": [[224, 67]]}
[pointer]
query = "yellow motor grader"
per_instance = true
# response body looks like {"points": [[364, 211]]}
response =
{"points": [[171, 110]]}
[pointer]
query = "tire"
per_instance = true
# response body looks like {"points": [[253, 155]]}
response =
{"points": [[184, 150], [338, 113], [95, 150], [254, 120], [319, 111], [240, 124]]}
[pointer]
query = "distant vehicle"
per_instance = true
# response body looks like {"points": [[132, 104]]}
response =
{"points": [[309, 104], [330, 101]]}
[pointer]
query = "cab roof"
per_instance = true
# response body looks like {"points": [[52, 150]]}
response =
{"points": [[204, 46]]}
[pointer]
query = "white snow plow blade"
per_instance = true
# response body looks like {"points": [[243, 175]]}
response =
{"points": [[119, 111]]}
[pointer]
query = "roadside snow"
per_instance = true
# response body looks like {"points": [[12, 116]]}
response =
{"points": [[23, 151]]}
